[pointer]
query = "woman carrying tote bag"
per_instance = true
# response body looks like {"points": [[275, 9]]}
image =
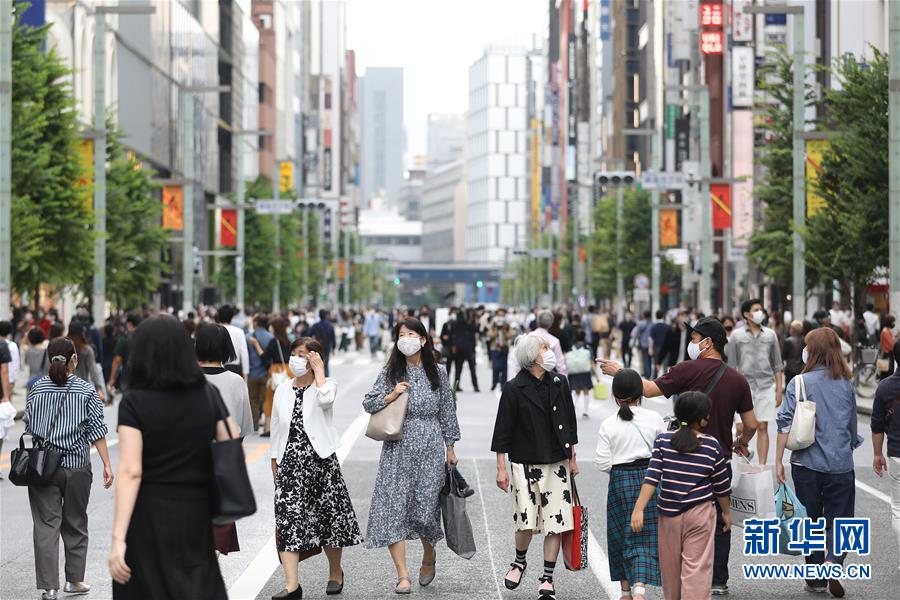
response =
{"points": [[822, 472]]}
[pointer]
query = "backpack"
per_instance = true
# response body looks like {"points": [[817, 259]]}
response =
{"points": [[599, 324]]}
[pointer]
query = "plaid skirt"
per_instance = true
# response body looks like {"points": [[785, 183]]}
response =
{"points": [[632, 556]]}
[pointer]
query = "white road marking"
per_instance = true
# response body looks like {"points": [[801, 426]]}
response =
{"points": [[870, 490], [260, 570], [599, 563], [487, 532]]}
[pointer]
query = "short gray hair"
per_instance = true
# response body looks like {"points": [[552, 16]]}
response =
{"points": [[527, 350], [545, 319]]}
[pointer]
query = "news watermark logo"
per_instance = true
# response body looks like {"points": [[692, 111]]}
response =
{"points": [[803, 537]]}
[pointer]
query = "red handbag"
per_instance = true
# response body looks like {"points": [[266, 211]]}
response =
{"points": [[575, 542]]}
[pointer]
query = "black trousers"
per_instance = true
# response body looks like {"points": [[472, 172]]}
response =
{"points": [[463, 357], [721, 546]]}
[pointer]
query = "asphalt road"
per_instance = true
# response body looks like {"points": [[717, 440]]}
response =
{"points": [[253, 572]]}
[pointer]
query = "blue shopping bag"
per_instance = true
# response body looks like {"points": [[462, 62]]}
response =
{"points": [[787, 508]]}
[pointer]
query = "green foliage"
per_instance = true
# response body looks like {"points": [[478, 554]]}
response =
{"points": [[52, 240], [637, 242], [770, 245], [136, 238], [848, 238]]}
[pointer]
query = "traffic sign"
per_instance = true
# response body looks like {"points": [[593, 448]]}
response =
{"points": [[641, 281], [662, 180], [274, 207], [641, 295]]}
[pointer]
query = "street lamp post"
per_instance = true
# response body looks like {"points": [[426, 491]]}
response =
{"points": [[799, 154], [894, 155], [240, 260], [187, 258], [99, 135], [6, 23], [656, 161]]}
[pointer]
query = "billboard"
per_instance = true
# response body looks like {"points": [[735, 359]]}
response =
{"points": [[742, 167], [668, 228], [815, 149], [228, 228], [173, 207], [720, 196]]}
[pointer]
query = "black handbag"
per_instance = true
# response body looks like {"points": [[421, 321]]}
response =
{"points": [[232, 494], [36, 465]]}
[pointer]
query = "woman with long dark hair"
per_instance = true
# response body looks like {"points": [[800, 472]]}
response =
{"points": [[277, 354], [66, 413], [86, 368], [823, 473], [162, 542], [412, 469], [624, 447]]}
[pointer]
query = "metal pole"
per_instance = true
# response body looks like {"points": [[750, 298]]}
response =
{"points": [[276, 292], [99, 297], [656, 153], [346, 267], [187, 300], [549, 270], [894, 154], [241, 225], [706, 233], [305, 236], [799, 292], [6, 10], [620, 274]]}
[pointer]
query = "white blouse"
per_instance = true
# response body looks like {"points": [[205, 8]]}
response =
{"points": [[620, 442]]}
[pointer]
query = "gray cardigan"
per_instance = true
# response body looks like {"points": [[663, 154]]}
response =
{"points": [[234, 392]]}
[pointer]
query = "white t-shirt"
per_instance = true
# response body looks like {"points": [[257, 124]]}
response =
{"points": [[240, 348], [15, 366], [620, 442]]}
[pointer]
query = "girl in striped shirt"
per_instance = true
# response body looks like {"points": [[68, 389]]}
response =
{"points": [[690, 471]]}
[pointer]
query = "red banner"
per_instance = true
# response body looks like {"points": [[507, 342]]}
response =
{"points": [[228, 229], [720, 196], [173, 204]]}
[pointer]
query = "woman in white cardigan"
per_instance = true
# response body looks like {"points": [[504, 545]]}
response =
{"points": [[312, 505]]}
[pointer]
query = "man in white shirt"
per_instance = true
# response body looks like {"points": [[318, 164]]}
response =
{"points": [[872, 323], [241, 364], [15, 364]]}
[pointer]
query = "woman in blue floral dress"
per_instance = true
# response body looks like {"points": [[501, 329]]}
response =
{"points": [[412, 469]]}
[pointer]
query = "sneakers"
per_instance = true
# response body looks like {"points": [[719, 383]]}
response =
{"points": [[76, 588], [814, 590], [49, 595], [719, 590]]}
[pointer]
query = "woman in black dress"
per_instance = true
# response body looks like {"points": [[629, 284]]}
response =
{"points": [[162, 543], [312, 505]]}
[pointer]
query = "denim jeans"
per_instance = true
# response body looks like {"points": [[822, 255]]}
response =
{"points": [[498, 364], [829, 495], [894, 473]]}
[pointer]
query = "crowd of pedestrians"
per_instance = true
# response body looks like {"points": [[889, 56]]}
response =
{"points": [[217, 373]]}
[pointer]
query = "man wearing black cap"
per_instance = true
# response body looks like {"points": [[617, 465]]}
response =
{"points": [[729, 393]]}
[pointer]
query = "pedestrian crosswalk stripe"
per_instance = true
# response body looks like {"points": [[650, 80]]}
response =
{"points": [[870, 490]]}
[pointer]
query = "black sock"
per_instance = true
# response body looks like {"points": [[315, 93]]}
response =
{"points": [[549, 565], [520, 555]]}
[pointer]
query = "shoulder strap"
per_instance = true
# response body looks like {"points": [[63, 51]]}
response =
{"points": [[641, 433], [214, 398], [800, 389], [280, 353], [58, 410], [715, 380]]}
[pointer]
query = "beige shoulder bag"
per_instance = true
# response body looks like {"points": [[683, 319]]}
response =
{"points": [[387, 424]]}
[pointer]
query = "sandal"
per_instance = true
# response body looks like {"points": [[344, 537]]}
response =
{"points": [[426, 579], [398, 589], [546, 594], [515, 566]]}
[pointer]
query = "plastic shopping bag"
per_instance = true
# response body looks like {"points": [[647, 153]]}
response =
{"points": [[787, 508], [752, 492]]}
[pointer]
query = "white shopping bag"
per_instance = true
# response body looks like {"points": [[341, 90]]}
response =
{"points": [[752, 492]]}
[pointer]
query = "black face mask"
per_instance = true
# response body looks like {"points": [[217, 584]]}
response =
{"points": [[729, 327]]}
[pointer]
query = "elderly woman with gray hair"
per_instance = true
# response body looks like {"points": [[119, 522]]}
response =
{"points": [[536, 426]]}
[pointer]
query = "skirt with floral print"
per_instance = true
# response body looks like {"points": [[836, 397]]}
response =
{"points": [[312, 504]]}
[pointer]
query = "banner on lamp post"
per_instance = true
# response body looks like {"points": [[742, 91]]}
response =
{"points": [[720, 196], [173, 207], [228, 228]]}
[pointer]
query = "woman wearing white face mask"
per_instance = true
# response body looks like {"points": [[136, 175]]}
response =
{"points": [[537, 427], [312, 505], [412, 469]]}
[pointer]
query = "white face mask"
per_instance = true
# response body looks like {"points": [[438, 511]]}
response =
{"points": [[298, 366], [548, 360], [409, 345], [693, 350], [804, 356], [758, 317]]}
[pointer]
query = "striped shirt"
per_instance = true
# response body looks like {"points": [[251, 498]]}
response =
{"points": [[686, 480], [79, 424]]}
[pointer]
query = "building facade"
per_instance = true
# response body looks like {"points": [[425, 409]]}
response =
{"points": [[439, 212], [382, 143], [446, 139]]}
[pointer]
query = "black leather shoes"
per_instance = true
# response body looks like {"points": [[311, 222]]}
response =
{"points": [[334, 588], [286, 595]]}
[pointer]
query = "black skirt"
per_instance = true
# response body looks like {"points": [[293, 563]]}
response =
{"points": [[169, 546]]}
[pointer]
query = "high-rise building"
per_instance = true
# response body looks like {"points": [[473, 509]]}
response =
{"points": [[381, 117], [446, 139], [441, 189], [497, 154]]}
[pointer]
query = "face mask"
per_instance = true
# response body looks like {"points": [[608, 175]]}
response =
{"points": [[298, 366], [729, 327], [409, 345], [693, 350], [548, 360], [804, 356], [758, 317]]}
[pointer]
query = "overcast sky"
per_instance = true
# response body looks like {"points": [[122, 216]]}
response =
{"points": [[435, 41]]}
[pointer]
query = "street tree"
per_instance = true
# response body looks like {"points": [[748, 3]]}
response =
{"points": [[848, 238], [52, 238]]}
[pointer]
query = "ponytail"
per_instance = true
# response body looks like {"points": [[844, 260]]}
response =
{"points": [[690, 408], [625, 412], [60, 352]]}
